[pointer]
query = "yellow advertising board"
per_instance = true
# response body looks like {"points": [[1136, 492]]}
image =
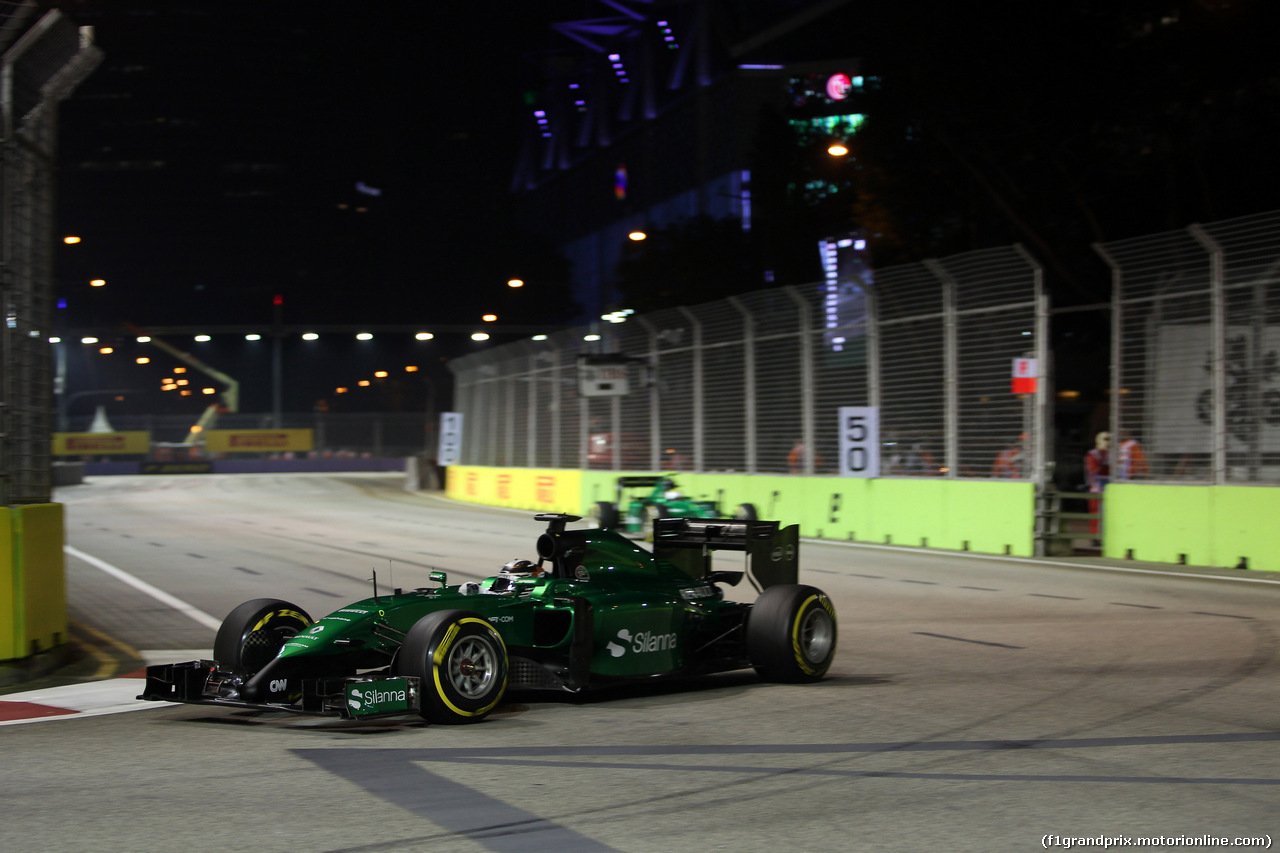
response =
{"points": [[258, 440], [101, 443], [547, 490]]}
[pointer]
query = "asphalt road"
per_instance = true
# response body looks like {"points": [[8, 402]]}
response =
{"points": [[975, 703]]}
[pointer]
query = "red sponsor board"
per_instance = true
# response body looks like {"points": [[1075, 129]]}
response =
{"points": [[96, 444], [260, 441], [545, 490]]}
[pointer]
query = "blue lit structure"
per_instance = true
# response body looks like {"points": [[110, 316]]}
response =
{"points": [[651, 116]]}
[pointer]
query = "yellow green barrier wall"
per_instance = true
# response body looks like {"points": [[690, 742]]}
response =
{"points": [[9, 615], [1226, 526], [988, 516], [33, 599]]}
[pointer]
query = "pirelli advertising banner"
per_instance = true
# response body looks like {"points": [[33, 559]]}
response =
{"points": [[545, 490], [258, 440], [101, 443]]}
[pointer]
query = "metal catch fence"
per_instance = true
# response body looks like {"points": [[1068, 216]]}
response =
{"points": [[1196, 353], [753, 383]]}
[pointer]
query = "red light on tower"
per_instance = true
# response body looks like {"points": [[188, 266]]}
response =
{"points": [[839, 86], [277, 299]]}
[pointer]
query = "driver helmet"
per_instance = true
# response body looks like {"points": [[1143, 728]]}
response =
{"points": [[521, 567], [673, 494]]}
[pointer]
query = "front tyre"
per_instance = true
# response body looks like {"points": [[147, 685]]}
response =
{"points": [[462, 662], [791, 633], [651, 513], [252, 634]]}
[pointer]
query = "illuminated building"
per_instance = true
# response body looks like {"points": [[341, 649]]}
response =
{"points": [[650, 119]]}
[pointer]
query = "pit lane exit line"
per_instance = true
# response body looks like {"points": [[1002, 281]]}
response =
{"points": [[142, 586]]}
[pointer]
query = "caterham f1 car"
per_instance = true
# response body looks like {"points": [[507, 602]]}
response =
{"points": [[641, 500], [595, 609]]}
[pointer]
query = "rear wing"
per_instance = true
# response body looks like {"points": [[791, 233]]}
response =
{"points": [[773, 551], [638, 482]]}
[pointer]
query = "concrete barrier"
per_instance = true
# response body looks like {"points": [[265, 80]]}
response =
{"points": [[32, 580], [1224, 526], [68, 473]]}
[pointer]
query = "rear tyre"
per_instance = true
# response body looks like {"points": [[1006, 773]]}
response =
{"points": [[791, 633], [252, 634], [746, 512], [605, 514], [462, 662]]}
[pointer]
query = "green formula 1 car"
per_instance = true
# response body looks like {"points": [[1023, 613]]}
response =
{"points": [[643, 500], [595, 609]]}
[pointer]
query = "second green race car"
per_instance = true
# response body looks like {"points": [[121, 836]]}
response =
{"points": [[641, 500]]}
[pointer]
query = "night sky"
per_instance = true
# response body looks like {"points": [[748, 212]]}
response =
{"points": [[213, 160], [353, 159]]}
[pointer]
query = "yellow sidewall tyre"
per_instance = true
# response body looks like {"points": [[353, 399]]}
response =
{"points": [[791, 633], [462, 662]]}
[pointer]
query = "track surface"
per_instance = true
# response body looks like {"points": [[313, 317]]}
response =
{"points": [[975, 703]]}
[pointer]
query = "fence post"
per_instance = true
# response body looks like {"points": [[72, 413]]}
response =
{"points": [[1218, 325], [1041, 433], [696, 368], [584, 429], [655, 399], [615, 430], [950, 367], [509, 420], [748, 383], [806, 378], [874, 383], [557, 438], [531, 447], [1115, 424], [493, 404]]}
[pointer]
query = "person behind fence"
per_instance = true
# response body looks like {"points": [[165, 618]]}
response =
{"points": [[1097, 471], [1009, 461], [795, 459], [1132, 461]]}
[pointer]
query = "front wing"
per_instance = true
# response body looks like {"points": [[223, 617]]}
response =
{"points": [[204, 682]]}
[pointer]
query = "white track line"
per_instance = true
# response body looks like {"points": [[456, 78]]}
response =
{"points": [[158, 594]]}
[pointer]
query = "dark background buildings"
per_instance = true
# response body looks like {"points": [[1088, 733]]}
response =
{"points": [[378, 163]]}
